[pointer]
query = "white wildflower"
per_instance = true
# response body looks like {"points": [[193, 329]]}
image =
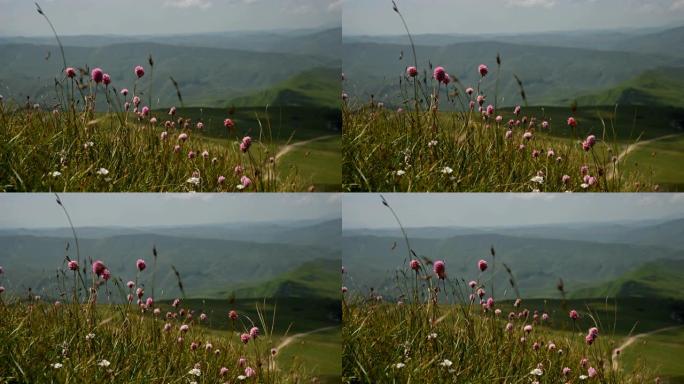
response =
{"points": [[583, 377], [90, 336], [194, 180], [103, 171], [399, 365], [584, 185], [56, 174], [432, 336], [104, 363], [538, 179], [446, 363], [400, 172], [447, 170], [242, 377], [240, 187], [195, 371], [537, 372], [433, 143], [56, 365]]}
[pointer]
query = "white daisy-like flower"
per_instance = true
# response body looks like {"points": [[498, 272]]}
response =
{"points": [[56, 174], [194, 180], [400, 172], [584, 185], [447, 170], [538, 179], [537, 372], [88, 144], [103, 171], [446, 363], [195, 371], [431, 336], [90, 336], [399, 365], [56, 365], [242, 377], [433, 143], [240, 187], [583, 377], [104, 363]]}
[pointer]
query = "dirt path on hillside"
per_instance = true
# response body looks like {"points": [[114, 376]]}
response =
{"points": [[630, 148], [288, 340], [630, 340], [284, 150], [292, 338]]}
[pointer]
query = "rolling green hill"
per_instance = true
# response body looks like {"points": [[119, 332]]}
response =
{"points": [[661, 279], [658, 87], [317, 278], [314, 87]]}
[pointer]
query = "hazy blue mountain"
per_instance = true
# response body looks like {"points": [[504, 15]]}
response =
{"points": [[206, 76], [659, 40], [550, 75], [206, 261], [317, 42], [538, 255]]}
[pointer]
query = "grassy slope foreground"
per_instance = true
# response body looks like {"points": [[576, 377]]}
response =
{"points": [[445, 325], [78, 340], [479, 150]]}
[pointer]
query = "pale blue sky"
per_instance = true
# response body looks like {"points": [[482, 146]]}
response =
{"points": [[506, 209], [39, 210], [135, 17], [373, 17]]}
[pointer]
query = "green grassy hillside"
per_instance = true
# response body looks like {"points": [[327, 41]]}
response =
{"points": [[314, 87], [658, 87], [662, 279], [318, 278]]}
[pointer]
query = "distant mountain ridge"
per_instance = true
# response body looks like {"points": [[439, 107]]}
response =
{"points": [[537, 257], [208, 74], [555, 68], [206, 263]]}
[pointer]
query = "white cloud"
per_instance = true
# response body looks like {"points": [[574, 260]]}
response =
{"points": [[336, 5], [531, 3], [202, 4]]}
